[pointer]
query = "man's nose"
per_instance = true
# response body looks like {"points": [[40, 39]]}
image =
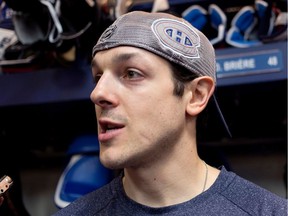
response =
{"points": [[103, 94]]}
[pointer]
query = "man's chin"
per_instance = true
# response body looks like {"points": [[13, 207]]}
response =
{"points": [[111, 163]]}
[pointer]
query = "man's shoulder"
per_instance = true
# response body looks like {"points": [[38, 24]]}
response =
{"points": [[240, 187], [249, 196], [91, 202]]}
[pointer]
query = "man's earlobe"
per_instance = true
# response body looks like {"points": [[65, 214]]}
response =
{"points": [[201, 90]]}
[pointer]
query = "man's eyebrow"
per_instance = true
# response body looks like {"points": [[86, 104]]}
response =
{"points": [[93, 63], [116, 59], [123, 57]]}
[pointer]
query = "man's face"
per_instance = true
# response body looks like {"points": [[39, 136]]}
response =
{"points": [[139, 119]]}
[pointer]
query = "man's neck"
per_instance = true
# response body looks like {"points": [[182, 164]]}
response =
{"points": [[169, 184]]}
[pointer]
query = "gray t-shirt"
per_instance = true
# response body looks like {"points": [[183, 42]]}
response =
{"points": [[230, 195]]}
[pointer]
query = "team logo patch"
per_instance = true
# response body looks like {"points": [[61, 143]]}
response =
{"points": [[177, 36], [108, 33]]}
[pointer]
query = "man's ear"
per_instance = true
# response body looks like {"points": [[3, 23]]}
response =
{"points": [[200, 91]]}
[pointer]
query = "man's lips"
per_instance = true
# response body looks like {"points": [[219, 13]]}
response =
{"points": [[109, 129]]}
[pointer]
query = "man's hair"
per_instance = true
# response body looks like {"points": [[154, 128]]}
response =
{"points": [[181, 76]]}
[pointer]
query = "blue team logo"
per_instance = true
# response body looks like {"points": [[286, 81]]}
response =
{"points": [[177, 36]]}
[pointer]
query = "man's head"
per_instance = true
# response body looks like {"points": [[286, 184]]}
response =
{"points": [[153, 77], [163, 34]]}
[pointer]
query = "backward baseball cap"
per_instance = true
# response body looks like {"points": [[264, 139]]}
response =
{"points": [[163, 34]]}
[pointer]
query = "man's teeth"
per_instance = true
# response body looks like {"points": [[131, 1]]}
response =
{"points": [[110, 127]]}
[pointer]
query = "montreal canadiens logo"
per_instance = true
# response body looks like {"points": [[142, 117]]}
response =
{"points": [[177, 36]]}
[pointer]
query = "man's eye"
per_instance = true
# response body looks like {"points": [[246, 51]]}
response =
{"points": [[97, 78], [131, 74]]}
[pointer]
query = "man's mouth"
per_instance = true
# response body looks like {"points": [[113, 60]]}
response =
{"points": [[107, 127], [109, 131], [110, 127]]}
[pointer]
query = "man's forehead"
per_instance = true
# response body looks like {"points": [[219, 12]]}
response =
{"points": [[124, 53], [133, 56]]}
